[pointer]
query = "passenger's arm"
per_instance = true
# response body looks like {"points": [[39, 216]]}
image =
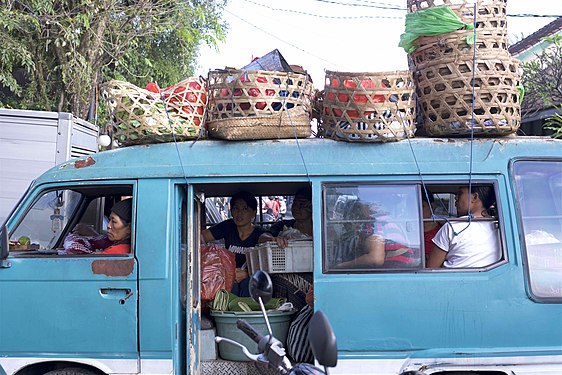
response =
{"points": [[266, 237], [436, 258], [207, 236], [374, 256]]}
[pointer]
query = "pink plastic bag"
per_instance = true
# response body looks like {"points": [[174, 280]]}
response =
{"points": [[218, 271]]}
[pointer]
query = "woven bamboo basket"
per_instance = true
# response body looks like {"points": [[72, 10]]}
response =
{"points": [[142, 116], [259, 104], [445, 94], [454, 46], [369, 107], [490, 13]]}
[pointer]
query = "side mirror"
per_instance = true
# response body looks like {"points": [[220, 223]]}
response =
{"points": [[261, 286], [4, 247], [322, 340]]}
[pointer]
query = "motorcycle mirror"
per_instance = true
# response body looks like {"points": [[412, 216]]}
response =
{"points": [[4, 244], [261, 286], [322, 340]]}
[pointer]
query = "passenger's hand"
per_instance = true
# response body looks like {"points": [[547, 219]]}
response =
{"points": [[241, 274], [282, 241]]}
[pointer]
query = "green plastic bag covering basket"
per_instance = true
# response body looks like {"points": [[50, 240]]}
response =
{"points": [[429, 22]]}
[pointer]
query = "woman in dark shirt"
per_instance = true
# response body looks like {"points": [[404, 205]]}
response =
{"points": [[239, 234]]}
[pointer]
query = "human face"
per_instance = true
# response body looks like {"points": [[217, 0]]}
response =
{"points": [[242, 214], [116, 229], [301, 208], [462, 201]]}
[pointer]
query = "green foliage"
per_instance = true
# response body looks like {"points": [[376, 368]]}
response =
{"points": [[554, 123], [542, 77], [56, 52]]}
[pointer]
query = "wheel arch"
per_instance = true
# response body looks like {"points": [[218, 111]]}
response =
{"points": [[40, 368]]}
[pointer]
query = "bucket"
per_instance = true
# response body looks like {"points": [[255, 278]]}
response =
{"points": [[226, 327]]}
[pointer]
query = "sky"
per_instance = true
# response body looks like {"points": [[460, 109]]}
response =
{"points": [[337, 35]]}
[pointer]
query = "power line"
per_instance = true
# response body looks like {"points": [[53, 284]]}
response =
{"points": [[374, 5], [323, 16], [367, 4], [284, 41]]}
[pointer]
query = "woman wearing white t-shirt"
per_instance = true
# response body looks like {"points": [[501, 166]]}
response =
{"points": [[475, 246]]}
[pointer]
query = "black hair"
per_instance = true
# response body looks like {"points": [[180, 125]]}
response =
{"points": [[123, 209], [487, 197], [305, 192], [248, 198]]}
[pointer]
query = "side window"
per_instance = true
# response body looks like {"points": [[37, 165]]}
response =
{"points": [[538, 185], [76, 221], [369, 228], [44, 223]]}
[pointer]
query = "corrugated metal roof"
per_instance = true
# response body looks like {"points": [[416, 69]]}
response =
{"points": [[536, 37]]}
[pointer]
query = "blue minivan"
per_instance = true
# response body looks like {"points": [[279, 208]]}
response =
{"points": [[65, 313]]}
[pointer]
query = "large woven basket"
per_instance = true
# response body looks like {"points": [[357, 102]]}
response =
{"points": [[490, 13], [445, 94], [142, 116], [258, 104], [454, 46], [369, 107]]}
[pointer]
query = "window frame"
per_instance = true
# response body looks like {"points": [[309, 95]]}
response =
{"points": [[103, 189], [492, 181], [521, 226]]}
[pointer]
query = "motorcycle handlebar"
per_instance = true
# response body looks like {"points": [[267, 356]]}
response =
{"points": [[250, 331]]}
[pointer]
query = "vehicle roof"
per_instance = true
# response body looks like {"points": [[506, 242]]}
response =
{"points": [[208, 158]]}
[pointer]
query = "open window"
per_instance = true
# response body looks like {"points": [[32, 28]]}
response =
{"points": [[59, 211]]}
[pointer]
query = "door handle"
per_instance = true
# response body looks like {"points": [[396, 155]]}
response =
{"points": [[122, 294]]}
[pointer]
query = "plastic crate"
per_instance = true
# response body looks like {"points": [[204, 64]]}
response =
{"points": [[269, 257]]}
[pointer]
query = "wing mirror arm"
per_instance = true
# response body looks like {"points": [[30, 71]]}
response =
{"points": [[4, 248]]}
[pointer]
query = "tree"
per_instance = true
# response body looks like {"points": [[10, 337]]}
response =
{"points": [[542, 77], [58, 51]]}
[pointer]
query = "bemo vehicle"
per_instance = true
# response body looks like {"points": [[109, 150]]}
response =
{"points": [[140, 313]]}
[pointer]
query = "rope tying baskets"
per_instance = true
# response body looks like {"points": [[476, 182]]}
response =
{"points": [[259, 104], [140, 115], [445, 94], [369, 107]]}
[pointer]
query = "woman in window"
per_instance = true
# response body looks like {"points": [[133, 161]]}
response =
{"points": [[117, 240], [239, 234], [468, 244]]}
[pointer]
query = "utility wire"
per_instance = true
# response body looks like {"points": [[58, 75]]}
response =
{"points": [[284, 41], [376, 5], [323, 16], [367, 5]]}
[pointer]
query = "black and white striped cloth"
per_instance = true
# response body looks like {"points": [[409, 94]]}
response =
{"points": [[298, 347]]}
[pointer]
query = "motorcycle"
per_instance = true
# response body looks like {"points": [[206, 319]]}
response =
{"points": [[271, 353]]}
